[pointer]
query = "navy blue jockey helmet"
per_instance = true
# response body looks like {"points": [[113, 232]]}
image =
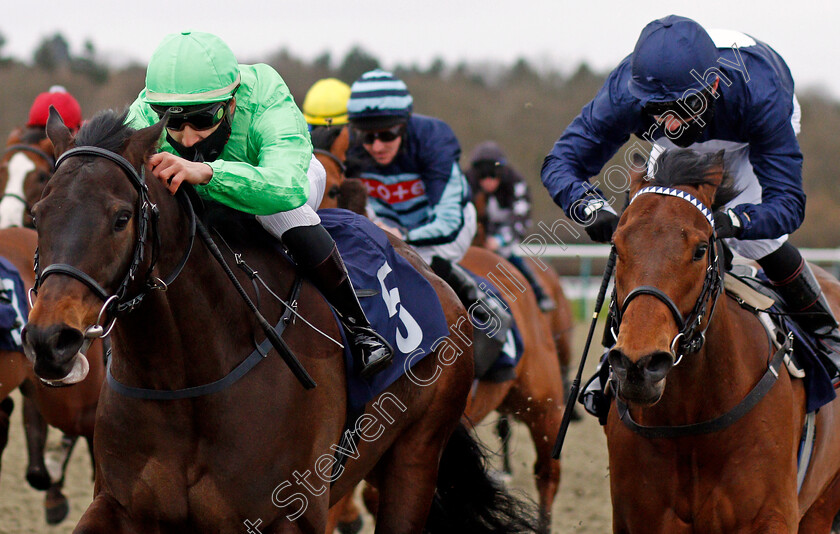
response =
{"points": [[379, 100], [667, 52]]}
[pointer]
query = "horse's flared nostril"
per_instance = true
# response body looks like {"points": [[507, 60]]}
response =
{"points": [[656, 366], [52, 348], [619, 363]]}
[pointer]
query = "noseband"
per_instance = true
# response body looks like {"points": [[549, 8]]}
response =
{"points": [[690, 338], [119, 302]]}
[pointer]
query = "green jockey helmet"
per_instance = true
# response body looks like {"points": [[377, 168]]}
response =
{"points": [[191, 68]]}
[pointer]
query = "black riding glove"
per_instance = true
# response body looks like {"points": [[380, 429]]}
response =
{"points": [[598, 218], [727, 224]]}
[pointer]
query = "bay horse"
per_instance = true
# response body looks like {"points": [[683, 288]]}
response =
{"points": [[70, 409], [686, 452], [222, 458], [535, 395], [561, 319], [26, 165]]}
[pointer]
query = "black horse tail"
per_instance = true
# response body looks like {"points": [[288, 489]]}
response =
{"points": [[468, 500]]}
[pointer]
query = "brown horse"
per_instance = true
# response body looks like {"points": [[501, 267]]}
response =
{"points": [[71, 409], [238, 453], [26, 165], [535, 395], [560, 319], [689, 455]]}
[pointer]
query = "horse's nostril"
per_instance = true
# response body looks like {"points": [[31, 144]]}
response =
{"points": [[657, 365], [68, 341], [619, 362]]}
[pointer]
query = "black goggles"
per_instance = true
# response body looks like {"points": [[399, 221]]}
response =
{"points": [[692, 105], [201, 117], [386, 136]]}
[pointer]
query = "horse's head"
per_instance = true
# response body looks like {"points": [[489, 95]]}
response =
{"points": [[667, 273], [330, 145], [26, 166], [91, 224]]}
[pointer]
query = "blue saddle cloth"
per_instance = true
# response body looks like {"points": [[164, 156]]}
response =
{"points": [[399, 302], [818, 387], [514, 347], [14, 306]]}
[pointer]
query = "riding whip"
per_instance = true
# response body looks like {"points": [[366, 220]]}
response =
{"points": [[277, 342], [573, 391]]}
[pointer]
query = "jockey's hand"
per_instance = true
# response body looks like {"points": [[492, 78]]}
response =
{"points": [[492, 243], [390, 229], [174, 170], [727, 224], [597, 217]]}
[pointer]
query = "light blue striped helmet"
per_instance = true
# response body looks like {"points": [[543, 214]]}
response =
{"points": [[378, 100]]}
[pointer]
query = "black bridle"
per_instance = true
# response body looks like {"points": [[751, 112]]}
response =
{"points": [[120, 301], [690, 337], [34, 150]]}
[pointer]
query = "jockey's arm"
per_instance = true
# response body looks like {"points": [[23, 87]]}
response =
{"points": [[446, 186], [593, 137], [279, 147], [264, 170], [777, 162]]}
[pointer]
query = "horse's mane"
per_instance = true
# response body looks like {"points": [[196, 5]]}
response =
{"points": [[323, 137], [107, 129], [33, 135], [683, 166]]}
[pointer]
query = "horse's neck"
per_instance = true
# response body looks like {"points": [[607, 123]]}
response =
{"points": [[197, 329], [711, 381]]}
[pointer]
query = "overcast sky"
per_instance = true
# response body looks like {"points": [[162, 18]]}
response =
{"points": [[558, 33]]}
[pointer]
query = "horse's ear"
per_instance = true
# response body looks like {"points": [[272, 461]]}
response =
{"points": [[341, 144], [14, 137], [638, 173], [58, 133], [144, 142]]}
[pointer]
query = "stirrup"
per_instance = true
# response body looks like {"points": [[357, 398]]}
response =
{"points": [[370, 368], [546, 304]]}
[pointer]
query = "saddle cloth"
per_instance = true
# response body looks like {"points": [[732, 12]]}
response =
{"points": [[14, 306], [507, 359], [399, 302]]}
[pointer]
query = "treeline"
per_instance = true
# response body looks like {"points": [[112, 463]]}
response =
{"points": [[520, 106]]}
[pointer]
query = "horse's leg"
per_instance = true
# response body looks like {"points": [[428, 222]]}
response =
{"points": [[370, 496], [821, 516], [503, 430], [485, 398], [35, 430], [536, 401], [350, 521], [56, 506], [106, 516], [6, 408], [407, 485], [345, 516]]}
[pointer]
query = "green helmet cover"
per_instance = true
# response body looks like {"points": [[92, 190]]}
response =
{"points": [[191, 68]]}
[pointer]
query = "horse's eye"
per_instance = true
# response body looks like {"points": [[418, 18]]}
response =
{"points": [[44, 177], [121, 221], [700, 252]]}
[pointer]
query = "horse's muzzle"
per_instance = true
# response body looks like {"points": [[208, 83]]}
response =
{"points": [[643, 381], [55, 353]]}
